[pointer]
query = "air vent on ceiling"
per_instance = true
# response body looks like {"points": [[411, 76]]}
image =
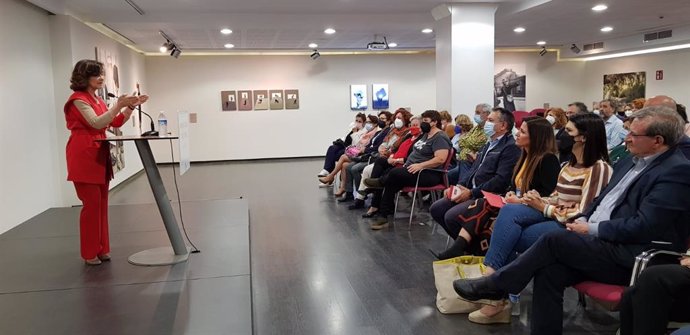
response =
{"points": [[658, 35], [593, 46]]}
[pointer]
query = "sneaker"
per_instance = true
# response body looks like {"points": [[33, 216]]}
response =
{"points": [[323, 173]]}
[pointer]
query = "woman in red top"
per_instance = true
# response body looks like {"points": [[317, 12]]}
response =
{"points": [[88, 162]]}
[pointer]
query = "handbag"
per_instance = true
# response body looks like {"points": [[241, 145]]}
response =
{"points": [[352, 151], [449, 270]]}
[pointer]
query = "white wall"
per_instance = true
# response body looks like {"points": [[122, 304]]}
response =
{"points": [[558, 83], [675, 65], [27, 181], [73, 41], [194, 83]]}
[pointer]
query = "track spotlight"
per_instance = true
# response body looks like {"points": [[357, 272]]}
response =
{"points": [[314, 55], [175, 52], [574, 48], [543, 51]]}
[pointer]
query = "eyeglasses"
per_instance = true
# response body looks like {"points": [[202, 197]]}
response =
{"points": [[631, 134]]}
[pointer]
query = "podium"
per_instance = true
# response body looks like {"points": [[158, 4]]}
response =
{"points": [[178, 252]]}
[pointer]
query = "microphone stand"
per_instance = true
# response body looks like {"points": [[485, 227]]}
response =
{"points": [[151, 132]]}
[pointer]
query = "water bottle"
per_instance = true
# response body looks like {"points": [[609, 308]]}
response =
{"points": [[162, 124], [515, 301]]}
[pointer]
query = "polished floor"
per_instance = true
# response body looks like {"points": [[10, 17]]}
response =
{"points": [[316, 267]]}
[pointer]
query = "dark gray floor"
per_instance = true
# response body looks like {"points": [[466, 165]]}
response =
{"points": [[316, 268]]}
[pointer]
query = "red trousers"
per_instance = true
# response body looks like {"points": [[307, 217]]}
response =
{"points": [[93, 221]]}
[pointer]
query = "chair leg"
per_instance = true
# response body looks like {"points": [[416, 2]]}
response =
{"points": [[447, 241], [395, 209], [581, 300], [414, 198], [434, 198]]}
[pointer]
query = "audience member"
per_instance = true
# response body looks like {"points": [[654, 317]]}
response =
{"points": [[337, 149], [537, 169], [636, 208], [447, 124], [470, 143], [564, 143], [520, 224], [429, 152], [615, 134], [576, 108]]}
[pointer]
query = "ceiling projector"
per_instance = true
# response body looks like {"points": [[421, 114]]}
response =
{"points": [[377, 46]]}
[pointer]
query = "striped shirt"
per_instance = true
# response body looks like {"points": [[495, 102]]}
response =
{"points": [[576, 189]]}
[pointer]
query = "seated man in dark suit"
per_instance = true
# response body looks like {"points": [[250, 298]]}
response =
{"points": [[647, 200]]}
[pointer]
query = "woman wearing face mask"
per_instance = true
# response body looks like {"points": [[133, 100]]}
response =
{"points": [[520, 223], [383, 164], [371, 127], [429, 152], [337, 149], [556, 117]]}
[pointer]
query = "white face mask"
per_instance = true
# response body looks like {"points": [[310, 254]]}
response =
{"points": [[551, 119], [398, 123], [596, 112], [368, 126], [628, 113]]}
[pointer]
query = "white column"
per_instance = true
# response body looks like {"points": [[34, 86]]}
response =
{"points": [[464, 56]]}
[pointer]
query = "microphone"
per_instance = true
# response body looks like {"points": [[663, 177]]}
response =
{"points": [[151, 132]]}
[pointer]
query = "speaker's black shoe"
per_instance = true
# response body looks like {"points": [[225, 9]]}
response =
{"points": [[477, 289], [348, 197], [359, 203]]}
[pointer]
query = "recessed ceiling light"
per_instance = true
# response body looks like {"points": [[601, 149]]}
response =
{"points": [[393, 44], [541, 43], [519, 30], [599, 8], [606, 29], [329, 31], [226, 31], [313, 45], [229, 46], [427, 30]]}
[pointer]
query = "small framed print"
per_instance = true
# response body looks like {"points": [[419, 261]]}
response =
{"points": [[245, 100]]}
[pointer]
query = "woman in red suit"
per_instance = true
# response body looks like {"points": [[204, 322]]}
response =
{"points": [[88, 162]]}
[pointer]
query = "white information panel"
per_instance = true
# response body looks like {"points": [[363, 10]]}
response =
{"points": [[183, 124]]}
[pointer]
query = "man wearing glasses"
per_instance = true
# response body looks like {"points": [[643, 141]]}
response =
{"points": [[645, 201]]}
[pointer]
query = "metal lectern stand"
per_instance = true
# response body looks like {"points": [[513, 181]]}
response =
{"points": [[179, 252]]}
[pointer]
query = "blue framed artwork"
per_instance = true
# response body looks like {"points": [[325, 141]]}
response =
{"points": [[379, 96], [358, 97]]}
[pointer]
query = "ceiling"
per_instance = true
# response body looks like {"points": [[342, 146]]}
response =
{"points": [[293, 24]]}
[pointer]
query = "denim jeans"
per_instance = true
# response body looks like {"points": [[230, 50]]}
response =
{"points": [[517, 227], [459, 170]]}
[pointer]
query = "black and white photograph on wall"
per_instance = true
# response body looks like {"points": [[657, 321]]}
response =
{"points": [[260, 100], [509, 87], [380, 97], [111, 85], [244, 99], [276, 99], [228, 101], [625, 87], [358, 97], [291, 99]]}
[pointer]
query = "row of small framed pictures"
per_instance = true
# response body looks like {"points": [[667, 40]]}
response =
{"points": [[258, 100]]}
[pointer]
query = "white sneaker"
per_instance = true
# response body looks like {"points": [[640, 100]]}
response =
{"points": [[322, 185], [323, 173]]}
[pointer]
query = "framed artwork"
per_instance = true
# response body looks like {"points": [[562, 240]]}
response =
{"points": [[358, 97], [277, 101], [228, 100], [510, 87], [379, 96], [245, 100], [261, 100], [291, 99], [625, 87]]}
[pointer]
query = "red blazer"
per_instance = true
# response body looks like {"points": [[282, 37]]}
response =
{"points": [[88, 161]]}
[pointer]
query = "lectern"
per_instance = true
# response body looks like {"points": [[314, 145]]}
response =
{"points": [[179, 252]]}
